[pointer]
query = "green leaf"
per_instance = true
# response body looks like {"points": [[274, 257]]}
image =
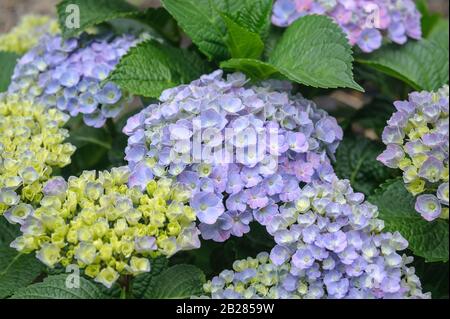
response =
{"points": [[396, 206], [8, 232], [356, 161], [16, 270], [255, 16], [255, 69], [314, 51], [145, 282], [201, 21], [440, 33], [177, 282], [241, 42], [54, 287], [162, 22], [272, 39], [421, 64], [88, 135], [8, 62], [92, 150], [150, 68], [92, 12]]}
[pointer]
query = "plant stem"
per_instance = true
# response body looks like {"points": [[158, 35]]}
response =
{"points": [[124, 283]]}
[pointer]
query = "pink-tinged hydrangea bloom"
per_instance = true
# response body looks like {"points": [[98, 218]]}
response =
{"points": [[67, 74], [417, 139], [364, 21], [275, 141], [329, 245]]}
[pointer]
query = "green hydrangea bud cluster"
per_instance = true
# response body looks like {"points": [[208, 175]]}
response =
{"points": [[106, 228], [27, 33], [31, 143]]}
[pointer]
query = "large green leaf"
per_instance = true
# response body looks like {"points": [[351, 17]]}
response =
{"points": [[91, 13], [16, 270], [201, 20], [177, 282], [150, 67], [356, 161], [54, 287], [255, 69], [255, 16], [144, 283], [421, 64], [8, 61], [314, 51], [241, 42], [426, 239]]}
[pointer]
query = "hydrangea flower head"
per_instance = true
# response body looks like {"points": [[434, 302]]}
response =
{"points": [[364, 21], [27, 33], [329, 245], [240, 149], [105, 227], [417, 142], [68, 75], [31, 144]]}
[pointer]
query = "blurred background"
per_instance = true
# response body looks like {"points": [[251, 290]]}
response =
{"points": [[11, 10]]}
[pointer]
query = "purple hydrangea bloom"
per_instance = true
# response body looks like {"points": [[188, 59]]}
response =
{"points": [[249, 146], [364, 21], [67, 74], [208, 207], [338, 245], [278, 276], [417, 139]]}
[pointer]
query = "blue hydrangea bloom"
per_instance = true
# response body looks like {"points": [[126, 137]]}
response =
{"points": [[239, 149], [329, 245], [67, 74]]}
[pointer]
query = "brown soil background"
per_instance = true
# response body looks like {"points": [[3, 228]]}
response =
{"points": [[12, 10]]}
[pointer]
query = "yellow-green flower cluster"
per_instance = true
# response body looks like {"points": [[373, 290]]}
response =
{"points": [[27, 33], [105, 227], [31, 143], [417, 142]]}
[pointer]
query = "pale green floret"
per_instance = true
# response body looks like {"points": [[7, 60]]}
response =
{"points": [[31, 144], [105, 227]]}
